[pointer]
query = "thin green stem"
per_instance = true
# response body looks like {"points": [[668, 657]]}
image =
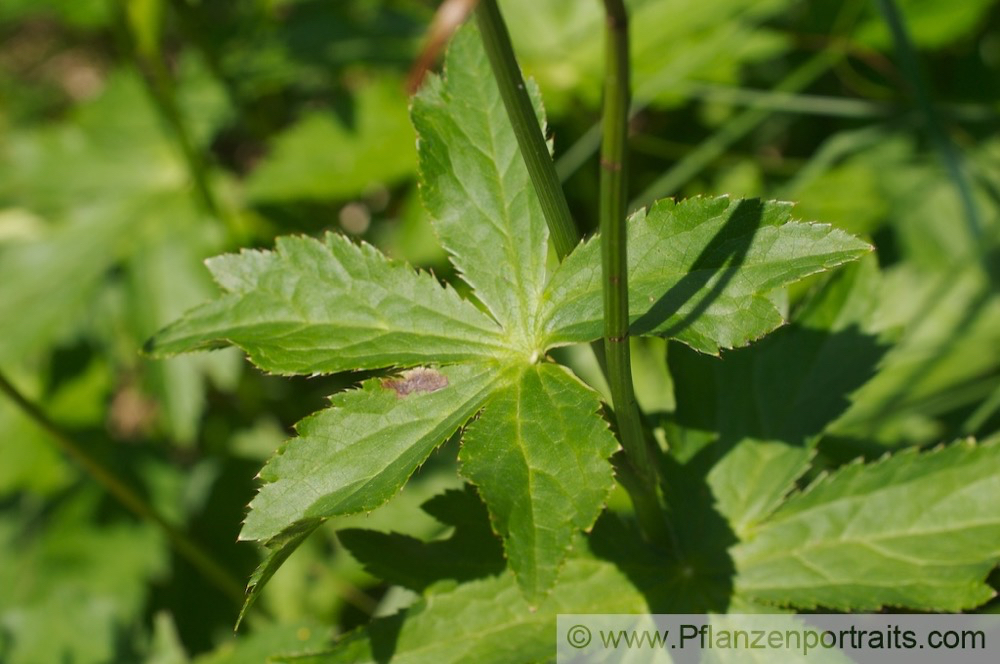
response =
{"points": [[949, 155], [981, 415], [127, 496], [163, 93], [735, 129], [526, 128], [614, 262]]}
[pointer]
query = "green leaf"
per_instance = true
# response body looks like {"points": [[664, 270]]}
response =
{"points": [[670, 43], [471, 552], [33, 463], [948, 324], [486, 621], [165, 646], [538, 454], [288, 638], [322, 307], [699, 271], [145, 21], [753, 479], [699, 580], [279, 548], [85, 14], [477, 189], [95, 578], [354, 456], [790, 386], [68, 263], [323, 156], [915, 530], [164, 280], [933, 24]]}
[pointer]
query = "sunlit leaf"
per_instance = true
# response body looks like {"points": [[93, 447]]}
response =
{"points": [[700, 271], [918, 530]]}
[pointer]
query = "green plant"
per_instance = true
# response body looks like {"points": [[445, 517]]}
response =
{"points": [[776, 446], [707, 272]]}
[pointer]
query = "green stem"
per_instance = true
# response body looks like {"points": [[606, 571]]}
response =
{"points": [[127, 496], [735, 129], [648, 506], [640, 480], [526, 128], [614, 263], [162, 91], [952, 160], [673, 78]]}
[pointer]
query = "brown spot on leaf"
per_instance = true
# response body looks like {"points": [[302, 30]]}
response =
{"points": [[416, 380]]}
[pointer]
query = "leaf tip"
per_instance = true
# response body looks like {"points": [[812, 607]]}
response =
{"points": [[149, 348]]}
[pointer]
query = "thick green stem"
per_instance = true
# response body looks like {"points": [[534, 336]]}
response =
{"points": [[526, 128], [640, 479], [127, 496], [614, 258]]}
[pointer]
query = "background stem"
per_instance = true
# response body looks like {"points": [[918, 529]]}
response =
{"points": [[910, 66], [162, 91], [128, 497]]}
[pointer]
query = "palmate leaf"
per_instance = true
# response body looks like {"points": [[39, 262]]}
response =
{"points": [[356, 455], [538, 453], [699, 272], [915, 530]]}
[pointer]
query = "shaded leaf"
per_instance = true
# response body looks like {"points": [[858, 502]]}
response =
{"points": [[164, 280], [325, 157], [288, 638], [497, 624], [790, 386], [671, 42], [695, 579], [279, 548], [752, 479], [471, 552], [94, 578], [948, 324]]}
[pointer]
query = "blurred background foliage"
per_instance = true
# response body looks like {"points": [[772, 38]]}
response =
{"points": [[138, 137]]}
